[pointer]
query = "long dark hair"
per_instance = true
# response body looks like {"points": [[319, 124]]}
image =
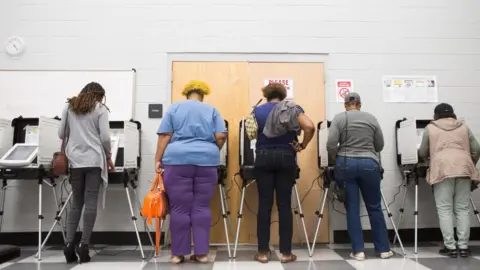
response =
{"points": [[87, 99]]}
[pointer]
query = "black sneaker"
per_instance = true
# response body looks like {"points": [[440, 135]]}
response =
{"points": [[83, 253], [464, 253], [69, 252], [452, 253]]}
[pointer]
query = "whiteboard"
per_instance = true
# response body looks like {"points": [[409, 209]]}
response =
{"points": [[38, 93]]}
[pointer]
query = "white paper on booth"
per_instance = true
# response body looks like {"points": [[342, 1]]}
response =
{"points": [[420, 132], [253, 144], [129, 139], [114, 142], [223, 154], [323, 138], [47, 139], [121, 136], [31, 134], [408, 142], [410, 89]]}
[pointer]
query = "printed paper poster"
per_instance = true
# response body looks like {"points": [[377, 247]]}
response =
{"points": [[410, 89]]}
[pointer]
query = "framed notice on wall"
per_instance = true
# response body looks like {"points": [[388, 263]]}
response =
{"points": [[410, 89]]}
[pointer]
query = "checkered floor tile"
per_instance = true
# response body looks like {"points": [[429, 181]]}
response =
{"points": [[325, 257]]}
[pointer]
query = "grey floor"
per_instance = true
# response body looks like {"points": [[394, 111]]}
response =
{"points": [[333, 257]]}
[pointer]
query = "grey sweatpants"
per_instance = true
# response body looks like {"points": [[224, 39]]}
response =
{"points": [[452, 197], [85, 186]]}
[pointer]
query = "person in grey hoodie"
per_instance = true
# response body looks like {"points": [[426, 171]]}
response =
{"points": [[453, 152]]}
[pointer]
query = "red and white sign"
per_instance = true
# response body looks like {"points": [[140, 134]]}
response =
{"points": [[288, 83], [342, 88]]}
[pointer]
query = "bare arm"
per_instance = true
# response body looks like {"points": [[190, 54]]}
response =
{"points": [[220, 139], [162, 142], [308, 128], [104, 126], [220, 129]]}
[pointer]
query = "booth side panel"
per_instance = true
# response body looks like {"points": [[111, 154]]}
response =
{"points": [[131, 145], [6, 136], [48, 140]]}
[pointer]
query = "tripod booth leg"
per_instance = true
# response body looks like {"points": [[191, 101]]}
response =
{"points": [[416, 216], [475, 211], [53, 185], [297, 219], [58, 217], [302, 218], [40, 218], [134, 220], [401, 210], [3, 192], [239, 221], [225, 219], [406, 174], [146, 227], [166, 231], [393, 224], [227, 210], [319, 214]]}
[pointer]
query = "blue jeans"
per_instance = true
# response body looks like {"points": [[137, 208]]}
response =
{"points": [[362, 175]]}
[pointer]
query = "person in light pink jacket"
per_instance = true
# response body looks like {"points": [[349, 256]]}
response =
{"points": [[453, 152]]}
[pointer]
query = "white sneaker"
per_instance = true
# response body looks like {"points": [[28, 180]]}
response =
{"points": [[359, 256], [386, 255]]}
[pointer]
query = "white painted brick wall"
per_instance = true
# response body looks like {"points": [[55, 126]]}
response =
{"points": [[365, 39]]}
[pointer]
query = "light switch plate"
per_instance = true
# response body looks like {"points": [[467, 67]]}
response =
{"points": [[155, 110]]}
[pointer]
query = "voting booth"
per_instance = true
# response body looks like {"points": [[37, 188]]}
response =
{"points": [[247, 163], [6, 140], [322, 161], [34, 141], [7, 252], [408, 134], [126, 157], [222, 176]]}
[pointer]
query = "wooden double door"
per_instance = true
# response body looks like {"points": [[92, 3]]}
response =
{"points": [[236, 88]]}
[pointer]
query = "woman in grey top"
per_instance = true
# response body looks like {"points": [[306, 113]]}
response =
{"points": [[88, 149]]}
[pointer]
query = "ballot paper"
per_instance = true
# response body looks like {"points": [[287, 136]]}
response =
{"points": [[420, 132], [114, 147], [31, 135]]}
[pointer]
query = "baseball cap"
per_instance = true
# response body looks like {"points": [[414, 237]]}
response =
{"points": [[443, 109], [352, 97]]}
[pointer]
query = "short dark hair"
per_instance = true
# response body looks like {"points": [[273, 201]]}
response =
{"points": [[274, 90]]}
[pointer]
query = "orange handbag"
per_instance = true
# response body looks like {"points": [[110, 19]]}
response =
{"points": [[155, 206]]}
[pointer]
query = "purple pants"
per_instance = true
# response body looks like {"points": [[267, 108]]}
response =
{"points": [[190, 189]]}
